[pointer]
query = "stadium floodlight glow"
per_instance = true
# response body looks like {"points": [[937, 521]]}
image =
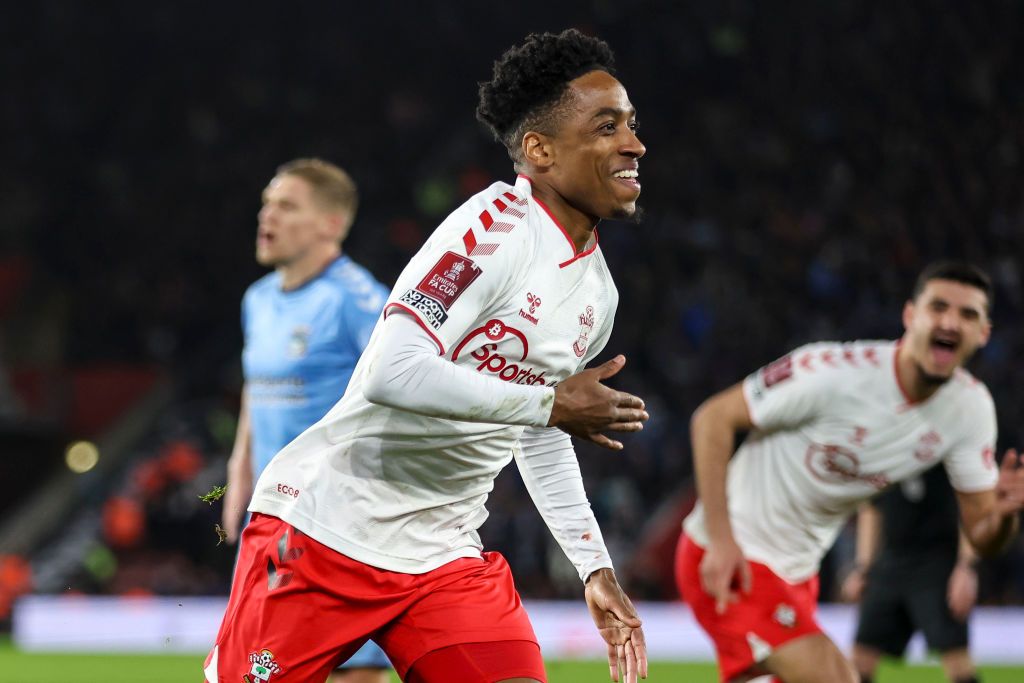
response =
{"points": [[81, 456]]}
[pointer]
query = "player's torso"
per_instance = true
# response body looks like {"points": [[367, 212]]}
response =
{"points": [[867, 437], [297, 357]]}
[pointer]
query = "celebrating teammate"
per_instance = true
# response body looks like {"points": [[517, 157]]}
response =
{"points": [[365, 525], [305, 325], [915, 571], [831, 426]]}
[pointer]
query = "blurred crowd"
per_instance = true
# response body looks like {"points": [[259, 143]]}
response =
{"points": [[805, 161]]}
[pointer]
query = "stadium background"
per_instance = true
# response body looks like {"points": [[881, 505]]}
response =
{"points": [[805, 161]]}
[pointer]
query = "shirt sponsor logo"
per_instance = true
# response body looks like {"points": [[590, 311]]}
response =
{"points": [[586, 318], [508, 364], [288, 490], [837, 465], [263, 666], [448, 279], [430, 308]]}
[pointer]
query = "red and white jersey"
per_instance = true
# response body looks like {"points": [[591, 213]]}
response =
{"points": [[833, 428], [501, 290]]}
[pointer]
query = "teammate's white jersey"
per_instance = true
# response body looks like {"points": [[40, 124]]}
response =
{"points": [[834, 427], [500, 288]]}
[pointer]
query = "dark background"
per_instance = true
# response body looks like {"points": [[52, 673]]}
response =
{"points": [[805, 160]]}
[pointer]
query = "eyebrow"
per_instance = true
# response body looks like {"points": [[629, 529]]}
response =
{"points": [[613, 111]]}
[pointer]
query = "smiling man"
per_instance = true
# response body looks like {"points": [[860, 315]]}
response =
{"points": [[832, 425], [366, 524]]}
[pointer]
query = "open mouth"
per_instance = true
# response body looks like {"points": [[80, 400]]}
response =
{"points": [[944, 349], [629, 177]]}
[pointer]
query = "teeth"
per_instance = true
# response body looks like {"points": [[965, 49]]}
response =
{"points": [[626, 174]]}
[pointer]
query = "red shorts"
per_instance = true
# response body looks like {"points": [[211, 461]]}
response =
{"points": [[773, 613], [298, 608]]}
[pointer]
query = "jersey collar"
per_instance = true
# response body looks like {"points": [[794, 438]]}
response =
{"points": [[525, 185]]}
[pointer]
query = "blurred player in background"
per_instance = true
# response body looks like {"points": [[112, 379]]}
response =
{"points": [[915, 571], [366, 525], [831, 425], [305, 325]]}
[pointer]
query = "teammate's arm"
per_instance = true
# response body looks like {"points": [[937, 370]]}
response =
{"points": [[407, 373], [990, 517], [962, 587], [239, 487], [869, 534], [713, 435]]}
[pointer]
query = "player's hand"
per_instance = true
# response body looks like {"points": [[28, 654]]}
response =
{"points": [[723, 570], [962, 590], [1010, 487], [584, 407], [853, 585], [619, 625]]}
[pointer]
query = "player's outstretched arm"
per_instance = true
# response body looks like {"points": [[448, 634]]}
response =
{"points": [[990, 518], [869, 532], [619, 626], [713, 435], [585, 408], [239, 486]]}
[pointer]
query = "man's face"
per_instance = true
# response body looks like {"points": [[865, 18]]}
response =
{"points": [[946, 324], [597, 150], [291, 223]]}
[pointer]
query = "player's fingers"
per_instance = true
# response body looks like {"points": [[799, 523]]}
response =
{"points": [[626, 400], [604, 441], [639, 645], [623, 610], [613, 663], [609, 368], [630, 655], [1009, 463], [621, 664], [625, 426], [746, 577]]}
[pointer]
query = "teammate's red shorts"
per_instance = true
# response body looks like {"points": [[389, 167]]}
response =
{"points": [[773, 613], [298, 608]]}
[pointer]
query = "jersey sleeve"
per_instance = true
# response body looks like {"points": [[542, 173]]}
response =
{"points": [[453, 281], [971, 463], [789, 391]]}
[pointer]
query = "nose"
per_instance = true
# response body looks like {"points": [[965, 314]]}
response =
{"points": [[632, 147]]}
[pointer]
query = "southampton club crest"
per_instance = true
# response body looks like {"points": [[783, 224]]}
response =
{"points": [[263, 667], [579, 347]]}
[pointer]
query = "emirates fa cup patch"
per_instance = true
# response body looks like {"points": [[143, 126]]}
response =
{"points": [[449, 278], [263, 667]]}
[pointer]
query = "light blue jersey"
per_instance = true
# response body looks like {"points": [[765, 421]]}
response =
{"points": [[301, 347]]}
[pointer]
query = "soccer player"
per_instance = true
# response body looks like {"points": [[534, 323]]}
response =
{"points": [[915, 571], [366, 524], [305, 325], [830, 426]]}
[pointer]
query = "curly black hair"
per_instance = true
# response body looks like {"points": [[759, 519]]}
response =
{"points": [[530, 80]]}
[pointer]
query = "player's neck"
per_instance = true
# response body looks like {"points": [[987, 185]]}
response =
{"points": [[576, 224], [295, 274], [915, 386]]}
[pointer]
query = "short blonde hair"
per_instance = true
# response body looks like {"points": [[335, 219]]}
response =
{"points": [[332, 187]]}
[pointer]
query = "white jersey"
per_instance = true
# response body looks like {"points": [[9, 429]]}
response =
{"points": [[501, 290], [833, 428]]}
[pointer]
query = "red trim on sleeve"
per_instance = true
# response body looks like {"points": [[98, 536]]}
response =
{"points": [[417, 319]]}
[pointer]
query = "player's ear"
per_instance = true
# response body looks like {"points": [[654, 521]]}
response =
{"points": [[908, 314], [538, 150]]}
